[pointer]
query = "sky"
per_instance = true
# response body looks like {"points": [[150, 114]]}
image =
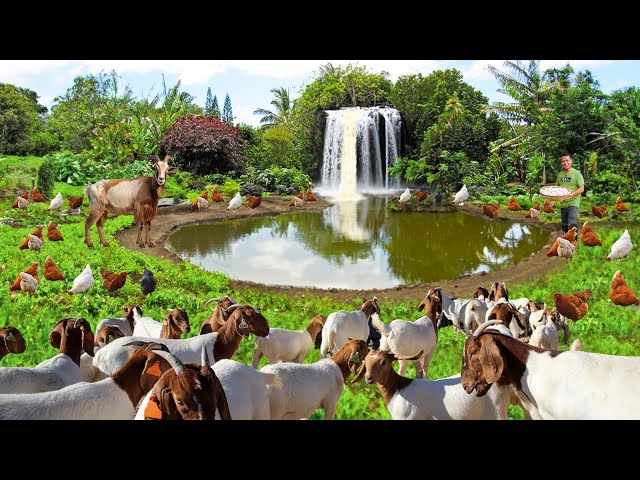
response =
{"points": [[249, 82]]}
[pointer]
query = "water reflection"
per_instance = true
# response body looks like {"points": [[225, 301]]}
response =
{"points": [[356, 244]]}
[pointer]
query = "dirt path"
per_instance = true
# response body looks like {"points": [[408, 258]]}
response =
{"points": [[171, 218]]}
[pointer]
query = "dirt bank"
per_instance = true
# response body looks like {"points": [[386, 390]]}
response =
{"points": [[171, 218]]}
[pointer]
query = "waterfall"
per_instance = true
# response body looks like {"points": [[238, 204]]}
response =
{"points": [[359, 146]]}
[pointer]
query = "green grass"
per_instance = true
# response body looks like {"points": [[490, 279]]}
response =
{"points": [[606, 328]]}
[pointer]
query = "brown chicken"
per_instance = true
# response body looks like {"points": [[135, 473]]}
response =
{"points": [[25, 195], [420, 196], [204, 195], [32, 270], [571, 235], [37, 232], [51, 271], [301, 195], [588, 236], [513, 205], [254, 202], [572, 306], [15, 204], [532, 213], [620, 293], [216, 196], [53, 233], [547, 207], [310, 196], [36, 196], [491, 210], [537, 206], [600, 211], [296, 202], [620, 206], [75, 202], [113, 281]]}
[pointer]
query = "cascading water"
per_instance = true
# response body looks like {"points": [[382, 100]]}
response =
{"points": [[359, 146]]}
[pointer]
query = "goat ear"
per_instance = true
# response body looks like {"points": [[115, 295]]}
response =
{"points": [[88, 340], [223, 406], [491, 360], [55, 337]]}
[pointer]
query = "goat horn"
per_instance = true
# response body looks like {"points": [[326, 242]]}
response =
{"points": [[217, 299], [174, 361], [205, 357], [235, 306], [485, 325]]}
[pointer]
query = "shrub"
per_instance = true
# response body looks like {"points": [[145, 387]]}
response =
{"points": [[203, 145], [274, 176], [46, 178]]}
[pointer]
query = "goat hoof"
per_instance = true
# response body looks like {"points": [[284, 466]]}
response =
{"points": [[141, 245], [105, 244], [89, 244], [151, 245]]}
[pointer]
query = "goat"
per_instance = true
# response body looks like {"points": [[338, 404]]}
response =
{"points": [[106, 334], [545, 336], [405, 338], [70, 336], [173, 325], [109, 399], [138, 196], [283, 345], [186, 392], [344, 325], [11, 341], [453, 309], [219, 315], [221, 344], [310, 386], [125, 324], [417, 399], [572, 385]]}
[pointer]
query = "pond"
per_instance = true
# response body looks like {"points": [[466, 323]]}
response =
{"points": [[356, 245]]}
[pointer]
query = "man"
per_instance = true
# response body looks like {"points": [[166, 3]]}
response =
{"points": [[572, 179]]}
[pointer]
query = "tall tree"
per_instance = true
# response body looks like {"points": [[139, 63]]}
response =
{"points": [[20, 118], [208, 105], [215, 109], [282, 109], [227, 114]]}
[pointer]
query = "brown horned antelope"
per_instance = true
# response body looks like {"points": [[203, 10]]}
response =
{"points": [[138, 196]]}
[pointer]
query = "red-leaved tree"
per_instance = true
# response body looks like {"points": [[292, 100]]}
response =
{"points": [[203, 145]]}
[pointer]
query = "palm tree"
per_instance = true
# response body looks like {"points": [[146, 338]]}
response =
{"points": [[282, 104]]}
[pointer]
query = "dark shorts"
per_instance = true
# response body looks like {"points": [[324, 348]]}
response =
{"points": [[569, 216]]}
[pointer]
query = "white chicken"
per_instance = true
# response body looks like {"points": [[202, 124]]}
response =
{"points": [[404, 198], [621, 247], [533, 213], [202, 203], [565, 248], [235, 202], [28, 283], [83, 282], [56, 202], [23, 203], [461, 196], [34, 243]]}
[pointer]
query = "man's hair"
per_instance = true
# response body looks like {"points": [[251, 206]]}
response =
{"points": [[566, 155]]}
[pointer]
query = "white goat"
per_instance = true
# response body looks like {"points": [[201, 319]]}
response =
{"points": [[109, 399], [572, 385], [282, 345], [245, 389], [243, 320], [343, 325], [405, 338], [70, 336], [417, 399], [126, 324], [308, 387], [545, 336], [174, 324]]}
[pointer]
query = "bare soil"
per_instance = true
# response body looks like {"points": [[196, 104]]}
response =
{"points": [[171, 218]]}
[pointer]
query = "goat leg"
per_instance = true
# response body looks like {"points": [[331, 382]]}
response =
{"points": [[148, 236], [99, 225]]}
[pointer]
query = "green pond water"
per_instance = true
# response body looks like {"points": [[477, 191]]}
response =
{"points": [[356, 245]]}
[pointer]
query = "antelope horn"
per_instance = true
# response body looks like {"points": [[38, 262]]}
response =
{"points": [[174, 361], [480, 329]]}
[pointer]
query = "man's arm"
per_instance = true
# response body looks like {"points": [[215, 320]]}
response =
{"points": [[577, 192]]}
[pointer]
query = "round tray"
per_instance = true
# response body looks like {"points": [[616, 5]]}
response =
{"points": [[554, 193]]}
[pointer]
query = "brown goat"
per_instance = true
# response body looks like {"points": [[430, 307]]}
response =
{"points": [[243, 320], [65, 336], [107, 334], [175, 324], [11, 341], [187, 392], [138, 196], [498, 291], [219, 316]]}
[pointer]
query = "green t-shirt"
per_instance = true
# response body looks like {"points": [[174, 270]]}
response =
{"points": [[572, 181]]}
